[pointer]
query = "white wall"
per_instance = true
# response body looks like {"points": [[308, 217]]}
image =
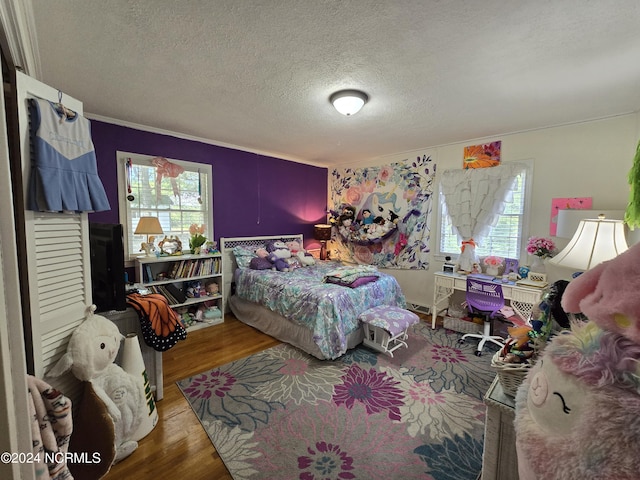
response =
{"points": [[590, 159]]}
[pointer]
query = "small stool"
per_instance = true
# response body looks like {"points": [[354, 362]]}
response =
{"points": [[385, 327]]}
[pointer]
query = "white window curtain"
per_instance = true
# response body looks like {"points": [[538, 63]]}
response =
{"points": [[475, 199]]}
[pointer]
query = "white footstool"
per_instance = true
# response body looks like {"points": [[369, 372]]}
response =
{"points": [[385, 327]]}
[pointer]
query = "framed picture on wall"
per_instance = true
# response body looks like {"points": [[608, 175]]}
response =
{"points": [[482, 156]]}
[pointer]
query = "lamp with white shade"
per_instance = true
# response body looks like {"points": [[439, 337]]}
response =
{"points": [[348, 102], [148, 226], [569, 219], [595, 241]]}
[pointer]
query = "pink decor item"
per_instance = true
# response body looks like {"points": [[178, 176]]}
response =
{"points": [[577, 409], [541, 247], [581, 203], [493, 261]]}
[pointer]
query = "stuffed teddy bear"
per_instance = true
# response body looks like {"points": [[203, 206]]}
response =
{"points": [[577, 409], [296, 250], [91, 351]]}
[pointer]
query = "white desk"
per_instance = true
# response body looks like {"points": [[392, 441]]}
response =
{"points": [[522, 299]]}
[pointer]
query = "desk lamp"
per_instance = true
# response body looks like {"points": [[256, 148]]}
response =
{"points": [[148, 226]]}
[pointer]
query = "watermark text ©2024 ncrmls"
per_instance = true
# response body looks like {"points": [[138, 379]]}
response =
{"points": [[50, 457]]}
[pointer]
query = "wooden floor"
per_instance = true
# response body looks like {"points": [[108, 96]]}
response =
{"points": [[178, 446]]}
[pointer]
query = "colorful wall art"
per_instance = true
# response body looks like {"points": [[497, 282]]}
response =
{"points": [[481, 156], [381, 214]]}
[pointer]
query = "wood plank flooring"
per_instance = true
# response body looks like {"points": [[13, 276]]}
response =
{"points": [[178, 446]]}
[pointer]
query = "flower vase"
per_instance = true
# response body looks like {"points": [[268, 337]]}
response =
{"points": [[537, 265], [493, 271], [196, 250]]}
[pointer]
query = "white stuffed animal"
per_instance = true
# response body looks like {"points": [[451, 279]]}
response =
{"points": [[90, 354]]}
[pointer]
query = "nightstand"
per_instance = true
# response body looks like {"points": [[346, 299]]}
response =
{"points": [[499, 459]]}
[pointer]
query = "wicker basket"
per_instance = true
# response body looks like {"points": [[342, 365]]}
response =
{"points": [[510, 375], [459, 325]]}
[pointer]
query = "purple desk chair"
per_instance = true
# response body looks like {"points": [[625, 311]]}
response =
{"points": [[484, 298]]}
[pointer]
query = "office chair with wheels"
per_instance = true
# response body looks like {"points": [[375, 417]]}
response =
{"points": [[484, 298]]}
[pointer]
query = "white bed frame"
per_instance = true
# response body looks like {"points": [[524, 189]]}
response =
{"points": [[229, 261]]}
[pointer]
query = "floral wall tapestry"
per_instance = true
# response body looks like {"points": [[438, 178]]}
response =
{"points": [[382, 215]]}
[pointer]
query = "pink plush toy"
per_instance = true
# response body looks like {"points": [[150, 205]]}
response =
{"points": [[609, 294], [577, 411]]}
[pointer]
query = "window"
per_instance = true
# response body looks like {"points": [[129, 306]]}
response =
{"points": [[153, 187], [505, 239]]}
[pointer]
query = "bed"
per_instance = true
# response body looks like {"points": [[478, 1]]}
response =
{"points": [[298, 307]]}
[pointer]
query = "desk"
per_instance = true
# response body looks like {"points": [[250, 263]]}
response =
{"points": [[499, 457], [522, 299]]}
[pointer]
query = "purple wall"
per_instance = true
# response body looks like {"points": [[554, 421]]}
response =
{"points": [[252, 194]]}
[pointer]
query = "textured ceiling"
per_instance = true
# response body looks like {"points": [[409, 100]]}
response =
{"points": [[258, 74]]}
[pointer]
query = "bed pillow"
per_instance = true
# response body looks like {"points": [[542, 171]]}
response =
{"points": [[243, 255]]}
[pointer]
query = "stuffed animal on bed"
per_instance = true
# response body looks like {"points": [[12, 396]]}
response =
{"points": [[577, 409], [303, 256], [260, 262], [90, 354], [278, 253]]}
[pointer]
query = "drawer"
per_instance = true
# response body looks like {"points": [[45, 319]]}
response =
{"points": [[446, 282], [461, 284]]}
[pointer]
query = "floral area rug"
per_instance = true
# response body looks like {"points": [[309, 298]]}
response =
{"points": [[284, 414]]}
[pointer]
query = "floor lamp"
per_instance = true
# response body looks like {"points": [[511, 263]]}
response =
{"points": [[322, 233], [595, 241]]}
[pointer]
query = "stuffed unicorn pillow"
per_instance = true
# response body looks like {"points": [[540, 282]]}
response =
{"points": [[578, 409]]}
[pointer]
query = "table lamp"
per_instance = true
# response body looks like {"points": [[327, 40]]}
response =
{"points": [[595, 241], [149, 226], [569, 219], [322, 233]]}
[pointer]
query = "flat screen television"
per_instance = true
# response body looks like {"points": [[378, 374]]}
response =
{"points": [[107, 266]]}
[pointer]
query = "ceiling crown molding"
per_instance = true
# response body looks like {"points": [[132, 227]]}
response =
{"points": [[18, 25]]}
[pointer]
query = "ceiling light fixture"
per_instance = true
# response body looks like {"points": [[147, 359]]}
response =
{"points": [[348, 102]]}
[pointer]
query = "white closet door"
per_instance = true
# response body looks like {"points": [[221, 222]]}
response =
{"points": [[15, 424], [58, 261]]}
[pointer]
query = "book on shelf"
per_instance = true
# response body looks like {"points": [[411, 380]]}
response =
{"points": [[175, 269], [176, 293], [148, 273]]}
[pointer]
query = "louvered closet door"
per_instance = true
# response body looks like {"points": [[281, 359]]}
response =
{"points": [[58, 268]]}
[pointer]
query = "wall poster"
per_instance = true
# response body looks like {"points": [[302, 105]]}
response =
{"points": [[582, 203]]}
